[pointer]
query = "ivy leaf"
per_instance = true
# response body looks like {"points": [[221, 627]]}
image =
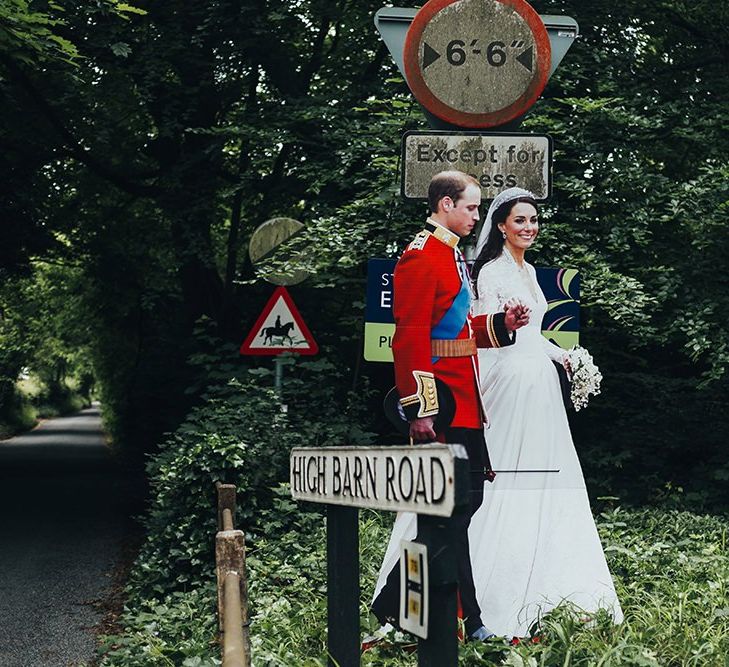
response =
{"points": [[123, 7], [121, 49]]}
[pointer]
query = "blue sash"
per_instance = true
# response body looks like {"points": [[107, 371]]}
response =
{"points": [[455, 317]]}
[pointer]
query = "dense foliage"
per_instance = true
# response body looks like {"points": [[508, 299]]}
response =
{"points": [[44, 338], [145, 143], [670, 570], [241, 433]]}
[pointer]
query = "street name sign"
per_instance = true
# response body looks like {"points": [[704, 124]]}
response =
{"points": [[477, 63], [418, 478], [264, 242], [496, 161], [279, 328]]}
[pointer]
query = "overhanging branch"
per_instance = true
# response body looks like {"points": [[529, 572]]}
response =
{"points": [[72, 144]]}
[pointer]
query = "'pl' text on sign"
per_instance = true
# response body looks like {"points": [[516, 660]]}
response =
{"points": [[496, 161], [398, 479]]}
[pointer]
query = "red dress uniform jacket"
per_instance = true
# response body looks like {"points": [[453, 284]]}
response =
{"points": [[431, 301]]}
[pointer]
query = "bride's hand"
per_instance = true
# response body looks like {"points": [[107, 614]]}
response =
{"points": [[567, 366]]}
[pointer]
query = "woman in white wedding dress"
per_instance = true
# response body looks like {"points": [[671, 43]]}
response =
{"points": [[533, 541]]}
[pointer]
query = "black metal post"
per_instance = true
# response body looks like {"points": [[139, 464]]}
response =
{"points": [[343, 640], [438, 534], [440, 649]]}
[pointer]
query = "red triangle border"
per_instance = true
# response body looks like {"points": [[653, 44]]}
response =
{"points": [[280, 291]]}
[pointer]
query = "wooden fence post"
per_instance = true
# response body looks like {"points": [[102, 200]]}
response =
{"points": [[230, 569], [226, 501]]}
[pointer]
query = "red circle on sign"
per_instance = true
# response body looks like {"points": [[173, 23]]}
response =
{"points": [[423, 94]]}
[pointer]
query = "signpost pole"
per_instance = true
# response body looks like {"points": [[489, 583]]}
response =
{"points": [[343, 641], [347, 478], [440, 649], [278, 377]]}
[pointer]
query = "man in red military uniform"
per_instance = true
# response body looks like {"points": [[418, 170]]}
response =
{"points": [[436, 338]]}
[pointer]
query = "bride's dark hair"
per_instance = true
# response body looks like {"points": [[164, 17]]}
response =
{"points": [[495, 241]]}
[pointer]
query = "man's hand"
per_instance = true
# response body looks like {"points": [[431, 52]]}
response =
{"points": [[421, 430], [517, 315]]}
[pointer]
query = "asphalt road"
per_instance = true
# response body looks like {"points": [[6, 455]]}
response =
{"points": [[64, 516]]}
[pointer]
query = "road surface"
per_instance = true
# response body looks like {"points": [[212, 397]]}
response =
{"points": [[64, 518]]}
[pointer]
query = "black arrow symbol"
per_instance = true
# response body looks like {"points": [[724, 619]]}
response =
{"points": [[430, 55], [526, 58]]}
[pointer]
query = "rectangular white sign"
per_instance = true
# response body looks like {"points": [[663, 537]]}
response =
{"points": [[414, 602], [496, 161], [416, 478]]}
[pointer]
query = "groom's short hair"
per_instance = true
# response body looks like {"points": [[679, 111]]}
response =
{"points": [[448, 184]]}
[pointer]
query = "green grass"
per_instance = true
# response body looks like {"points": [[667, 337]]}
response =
{"points": [[670, 569], [23, 417]]}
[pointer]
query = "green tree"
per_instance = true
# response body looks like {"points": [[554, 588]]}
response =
{"points": [[178, 131]]}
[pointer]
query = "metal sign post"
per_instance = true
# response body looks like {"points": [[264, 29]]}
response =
{"points": [[280, 327], [431, 480]]}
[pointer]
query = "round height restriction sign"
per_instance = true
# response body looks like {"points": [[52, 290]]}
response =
{"points": [[264, 242], [477, 63]]}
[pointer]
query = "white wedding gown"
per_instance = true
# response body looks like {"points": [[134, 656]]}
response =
{"points": [[533, 541]]}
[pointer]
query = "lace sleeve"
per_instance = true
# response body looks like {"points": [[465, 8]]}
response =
{"points": [[553, 351], [491, 294]]}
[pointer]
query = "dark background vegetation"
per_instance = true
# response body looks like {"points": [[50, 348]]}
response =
{"points": [[143, 145]]}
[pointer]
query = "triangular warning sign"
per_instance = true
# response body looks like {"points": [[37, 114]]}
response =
{"points": [[280, 328]]}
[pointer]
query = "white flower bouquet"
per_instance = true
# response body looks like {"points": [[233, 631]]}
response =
{"points": [[584, 375]]}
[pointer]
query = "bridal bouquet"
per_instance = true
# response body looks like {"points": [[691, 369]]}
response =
{"points": [[585, 376]]}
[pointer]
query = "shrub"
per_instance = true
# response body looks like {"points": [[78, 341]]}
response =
{"points": [[178, 631], [239, 435], [670, 569], [242, 433]]}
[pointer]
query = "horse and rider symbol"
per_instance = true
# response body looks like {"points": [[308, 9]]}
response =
{"points": [[279, 331]]}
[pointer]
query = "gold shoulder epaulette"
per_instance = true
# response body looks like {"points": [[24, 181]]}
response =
{"points": [[418, 243]]}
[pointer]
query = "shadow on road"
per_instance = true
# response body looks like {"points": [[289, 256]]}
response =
{"points": [[65, 515]]}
